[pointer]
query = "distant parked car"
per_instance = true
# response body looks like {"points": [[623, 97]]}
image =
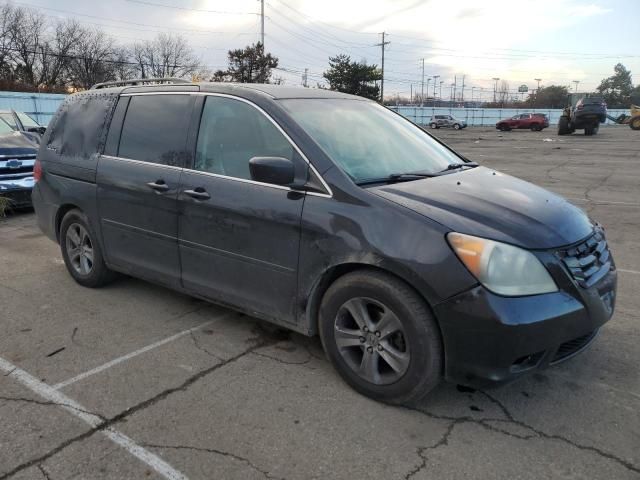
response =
{"points": [[446, 121], [21, 122], [533, 121], [17, 156]]}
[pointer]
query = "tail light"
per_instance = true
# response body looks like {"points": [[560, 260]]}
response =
{"points": [[37, 170]]}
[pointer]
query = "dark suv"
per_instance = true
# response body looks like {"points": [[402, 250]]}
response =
{"points": [[327, 214]]}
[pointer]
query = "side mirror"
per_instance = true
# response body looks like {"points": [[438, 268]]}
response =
{"points": [[276, 170]]}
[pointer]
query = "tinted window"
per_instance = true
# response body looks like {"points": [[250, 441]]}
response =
{"points": [[155, 129], [231, 133]]}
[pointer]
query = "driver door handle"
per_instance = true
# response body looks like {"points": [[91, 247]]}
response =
{"points": [[198, 193]]}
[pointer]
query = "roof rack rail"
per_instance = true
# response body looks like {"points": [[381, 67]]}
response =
{"points": [[138, 81]]}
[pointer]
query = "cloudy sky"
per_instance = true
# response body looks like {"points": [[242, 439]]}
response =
{"points": [[558, 41]]}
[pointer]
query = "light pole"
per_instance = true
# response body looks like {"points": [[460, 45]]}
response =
{"points": [[435, 81], [538, 89], [495, 88], [428, 80], [576, 82], [452, 99], [440, 94], [472, 89]]}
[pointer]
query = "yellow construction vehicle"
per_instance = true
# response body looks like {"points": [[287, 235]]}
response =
{"points": [[632, 120]]}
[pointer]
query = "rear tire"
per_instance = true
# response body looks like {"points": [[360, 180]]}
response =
{"points": [[81, 251], [563, 126], [434, 125], [589, 130], [456, 126], [381, 337], [535, 127], [635, 123]]}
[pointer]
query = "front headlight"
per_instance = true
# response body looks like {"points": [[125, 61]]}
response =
{"points": [[502, 268]]}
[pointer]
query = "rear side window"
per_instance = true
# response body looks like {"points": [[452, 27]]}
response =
{"points": [[155, 129], [78, 129]]}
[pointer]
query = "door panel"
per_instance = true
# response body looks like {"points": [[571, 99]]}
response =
{"points": [[140, 223], [239, 239], [241, 245], [138, 186]]}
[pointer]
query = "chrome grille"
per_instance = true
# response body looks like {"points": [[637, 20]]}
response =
{"points": [[588, 261]]}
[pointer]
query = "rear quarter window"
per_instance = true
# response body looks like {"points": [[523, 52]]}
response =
{"points": [[79, 127]]}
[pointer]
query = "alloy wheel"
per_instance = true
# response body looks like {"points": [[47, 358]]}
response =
{"points": [[79, 249], [372, 340]]}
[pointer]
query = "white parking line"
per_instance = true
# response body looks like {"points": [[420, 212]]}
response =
{"points": [[629, 271], [48, 393], [128, 356]]}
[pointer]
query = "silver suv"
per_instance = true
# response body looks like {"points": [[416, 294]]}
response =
{"points": [[446, 121]]}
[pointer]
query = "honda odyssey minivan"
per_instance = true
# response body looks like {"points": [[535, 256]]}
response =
{"points": [[330, 215]]}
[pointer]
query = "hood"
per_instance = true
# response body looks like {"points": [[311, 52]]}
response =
{"points": [[15, 143], [490, 204]]}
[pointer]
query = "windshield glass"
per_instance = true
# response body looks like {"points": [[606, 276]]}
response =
{"points": [[368, 141], [5, 127], [27, 121]]}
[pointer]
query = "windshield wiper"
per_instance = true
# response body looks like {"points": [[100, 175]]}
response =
{"points": [[409, 176], [455, 166], [398, 177]]}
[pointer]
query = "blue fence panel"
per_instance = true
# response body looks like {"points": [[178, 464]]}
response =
{"points": [[482, 116], [40, 106]]}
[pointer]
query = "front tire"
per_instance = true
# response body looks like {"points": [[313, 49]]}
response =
{"points": [[434, 125], [81, 251], [381, 337], [563, 126], [635, 123]]}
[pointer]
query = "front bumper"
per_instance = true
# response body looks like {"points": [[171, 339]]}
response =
{"points": [[491, 339], [18, 191]]}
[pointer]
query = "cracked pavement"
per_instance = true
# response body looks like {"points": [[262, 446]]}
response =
{"points": [[228, 398]]}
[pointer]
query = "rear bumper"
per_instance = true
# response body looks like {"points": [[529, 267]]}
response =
{"points": [[490, 339]]}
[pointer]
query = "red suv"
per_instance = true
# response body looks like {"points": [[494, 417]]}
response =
{"points": [[533, 121]]}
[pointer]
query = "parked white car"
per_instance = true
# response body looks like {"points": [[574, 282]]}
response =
{"points": [[446, 121]]}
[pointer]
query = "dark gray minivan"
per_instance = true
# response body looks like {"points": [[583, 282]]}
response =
{"points": [[327, 214]]}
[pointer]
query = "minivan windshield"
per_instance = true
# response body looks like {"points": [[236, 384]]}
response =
{"points": [[368, 141]]}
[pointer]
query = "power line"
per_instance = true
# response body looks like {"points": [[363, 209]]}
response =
{"points": [[224, 12]]}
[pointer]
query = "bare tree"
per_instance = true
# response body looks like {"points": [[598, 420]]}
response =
{"points": [[95, 61], [57, 54], [167, 55], [27, 33]]}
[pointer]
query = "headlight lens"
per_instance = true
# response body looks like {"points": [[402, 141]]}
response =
{"points": [[502, 268]]}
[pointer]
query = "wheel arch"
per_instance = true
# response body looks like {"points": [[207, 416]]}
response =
{"points": [[62, 211], [330, 275]]}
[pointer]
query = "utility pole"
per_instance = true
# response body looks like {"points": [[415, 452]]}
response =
{"points": [[304, 77], [262, 24], [435, 85], [495, 88], [422, 92], [451, 99], [381, 44], [455, 87], [462, 94], [538, 89], [440, 94], [411, 94], [576, 82]]}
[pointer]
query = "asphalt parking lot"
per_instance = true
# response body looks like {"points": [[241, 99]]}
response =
{"points": [[136, 381]]}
